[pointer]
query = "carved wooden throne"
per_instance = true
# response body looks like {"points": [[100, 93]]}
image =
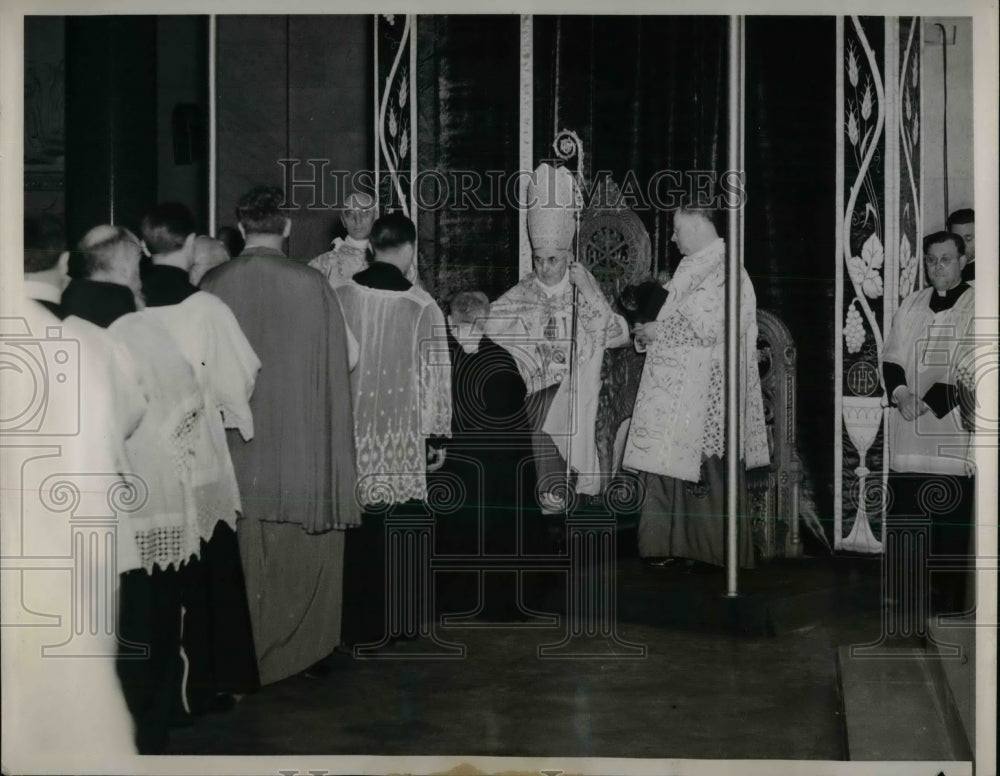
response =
{"points": [[615, 247], [773, 492]]}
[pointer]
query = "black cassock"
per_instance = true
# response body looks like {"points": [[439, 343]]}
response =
{"points": [[483, 496], [218, 636]]}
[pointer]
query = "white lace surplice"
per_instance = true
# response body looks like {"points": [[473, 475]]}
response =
{"points": [[207, 334], [401, 387], [680, 406], [172, 450], [69, 711], [926, 345]]}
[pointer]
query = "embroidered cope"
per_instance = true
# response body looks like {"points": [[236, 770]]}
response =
{"points": [[534, 324], [679, 412], [343, 261]]}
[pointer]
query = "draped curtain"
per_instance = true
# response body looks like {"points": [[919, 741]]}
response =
{"points": [[790, 211], [645, 94], [467, 119]]}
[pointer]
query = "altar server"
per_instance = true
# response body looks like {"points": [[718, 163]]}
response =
{"points": [[930, 463], [218, 639], [402, 410], [351, 254]]}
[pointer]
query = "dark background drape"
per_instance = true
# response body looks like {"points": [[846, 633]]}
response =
{"points": [[467, 119], [110, 121], [645, 94], [790, 216], [295, 88]]}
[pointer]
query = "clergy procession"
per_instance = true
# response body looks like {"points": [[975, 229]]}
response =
{"points": [[605, 386], [280, 413]]}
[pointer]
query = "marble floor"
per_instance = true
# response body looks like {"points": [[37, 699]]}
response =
{"points": [[755, 678]]}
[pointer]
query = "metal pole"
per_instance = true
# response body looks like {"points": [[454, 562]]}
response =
{"points": [[413, 136], [572, 375], [375, 121], [734, 264], [944, 114], [526, 106], [212, 151]]}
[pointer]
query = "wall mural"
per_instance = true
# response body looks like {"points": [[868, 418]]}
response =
{"points": [[878, 254]]}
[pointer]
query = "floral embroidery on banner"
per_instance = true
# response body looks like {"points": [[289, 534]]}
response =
{"points": [[393, 130], [864, 123], [910, 275]]}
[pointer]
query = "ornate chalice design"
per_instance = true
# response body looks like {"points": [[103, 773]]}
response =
{"points": [[862, 417]]}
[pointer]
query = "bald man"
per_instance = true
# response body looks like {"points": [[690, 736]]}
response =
{"points": [[106, 283], [208, 254]]}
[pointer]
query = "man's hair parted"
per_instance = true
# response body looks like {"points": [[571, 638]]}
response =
{"points": [[166, 227], [468, 306], [964, 216], [259, 210], [392, 230], [938, 238]]}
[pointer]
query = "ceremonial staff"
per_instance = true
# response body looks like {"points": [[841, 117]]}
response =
{"points": [[567, 145]]}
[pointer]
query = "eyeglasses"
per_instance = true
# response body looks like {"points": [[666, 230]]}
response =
{"points": [[939, 261]]}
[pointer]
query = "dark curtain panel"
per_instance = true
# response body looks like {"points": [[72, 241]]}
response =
{"points": [[790, 219], [647, 96], [294, 88], [110, 121], [467, 142]]}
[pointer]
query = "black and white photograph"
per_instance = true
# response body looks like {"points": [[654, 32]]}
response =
{"points": [[557, 389]]}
